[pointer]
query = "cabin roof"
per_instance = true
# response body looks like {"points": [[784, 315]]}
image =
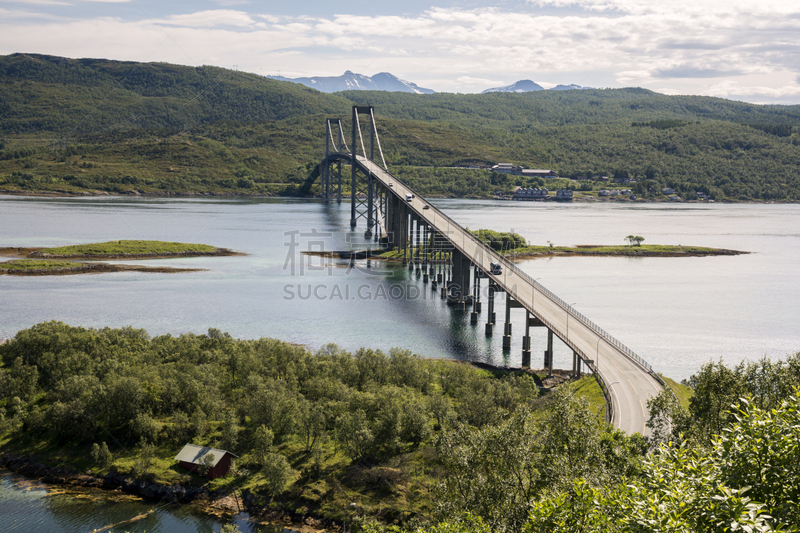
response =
{"points": [[192, 453]]}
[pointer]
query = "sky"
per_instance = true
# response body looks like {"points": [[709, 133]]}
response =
{"points": [[747, 50]]}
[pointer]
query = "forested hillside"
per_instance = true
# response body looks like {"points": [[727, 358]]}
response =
{"points": [[397, 444], [100, 125]]}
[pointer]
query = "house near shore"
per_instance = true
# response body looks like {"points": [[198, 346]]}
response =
{"points": [[220, 461]]}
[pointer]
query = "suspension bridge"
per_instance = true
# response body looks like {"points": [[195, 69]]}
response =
{"points": [[456, 263]]}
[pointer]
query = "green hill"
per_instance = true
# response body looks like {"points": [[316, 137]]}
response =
{"points": [[76, 125]]}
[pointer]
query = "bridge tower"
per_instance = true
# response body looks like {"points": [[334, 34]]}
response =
{"points": [[354, 199], [325, 169]]}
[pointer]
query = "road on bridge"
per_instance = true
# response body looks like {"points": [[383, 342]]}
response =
{"points": [[630, 384]]}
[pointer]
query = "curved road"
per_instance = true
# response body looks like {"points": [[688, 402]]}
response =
{"points": [[630, 383]]}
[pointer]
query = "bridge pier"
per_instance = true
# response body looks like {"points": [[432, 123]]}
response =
{"points": [[476, 294], [425, 252], [507, 328], [490, 316], [548, 354], [576, 364], [526, 341]]}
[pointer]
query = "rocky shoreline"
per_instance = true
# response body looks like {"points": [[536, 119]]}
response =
{"points": [[212, 502], [29, 467]]}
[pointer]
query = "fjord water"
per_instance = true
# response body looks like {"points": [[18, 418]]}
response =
{"points": [[32, 507], [675, 312]]}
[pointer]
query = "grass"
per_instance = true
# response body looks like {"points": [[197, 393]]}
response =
{"points": [[645, 249], [22, 265], [128, 247], [588, 388], [683, 392]]}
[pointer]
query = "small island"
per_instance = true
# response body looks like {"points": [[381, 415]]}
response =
{"points": [[645, 250], [515, 248], [67, 260]]}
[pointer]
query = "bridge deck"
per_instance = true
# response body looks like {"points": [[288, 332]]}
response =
{"points": [[630, 383]]}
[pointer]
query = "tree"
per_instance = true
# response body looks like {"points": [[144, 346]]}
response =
{"points": [[761, 453], [277, 473], [206, 463], [747, 479], [144, 459], [230, 431], [354, 435], [668, 418], [101, 455], [634, 240], [491, 472], [312, 423], [262, 442]]}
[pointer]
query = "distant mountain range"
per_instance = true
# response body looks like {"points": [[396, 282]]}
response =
{"points": [[350, 81], [522, 86], [525, 86], [384, 81]]}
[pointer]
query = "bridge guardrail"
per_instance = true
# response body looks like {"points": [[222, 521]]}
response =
{"points": [[630, 354], [564, 305]]}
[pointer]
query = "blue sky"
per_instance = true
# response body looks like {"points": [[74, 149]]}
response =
{"points": [[737, 49]]}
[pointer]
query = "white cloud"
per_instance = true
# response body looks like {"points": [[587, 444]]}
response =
{"points": [[470, 81], [40, 2], [735, 47], [212, 19]]}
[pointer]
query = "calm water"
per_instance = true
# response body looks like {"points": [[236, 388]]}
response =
{"points": [[675, 312], [29, 506]]}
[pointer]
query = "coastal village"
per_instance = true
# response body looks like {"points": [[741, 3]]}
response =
{"points": [[541, 194]]}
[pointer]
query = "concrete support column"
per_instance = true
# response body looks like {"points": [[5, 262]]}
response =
{"points": [[548, 354], [507, 328], [455, 287], [477, 302], [426, 250], [490, 314], [402, 216], [412, 239], [475, 288], [526, 341]]}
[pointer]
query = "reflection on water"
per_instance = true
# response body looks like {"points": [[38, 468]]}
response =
{"points": [[675, 312]]}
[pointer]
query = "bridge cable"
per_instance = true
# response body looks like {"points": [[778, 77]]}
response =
{"points": [[333, 143], [375, 129], [342, 137], [363, 150]]}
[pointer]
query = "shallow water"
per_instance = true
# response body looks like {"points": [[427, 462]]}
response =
{"points": [[30, 506]]}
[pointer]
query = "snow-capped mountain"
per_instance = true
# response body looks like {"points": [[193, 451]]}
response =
{"points": [[569, 87], [522, 86], [350, 81]]}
